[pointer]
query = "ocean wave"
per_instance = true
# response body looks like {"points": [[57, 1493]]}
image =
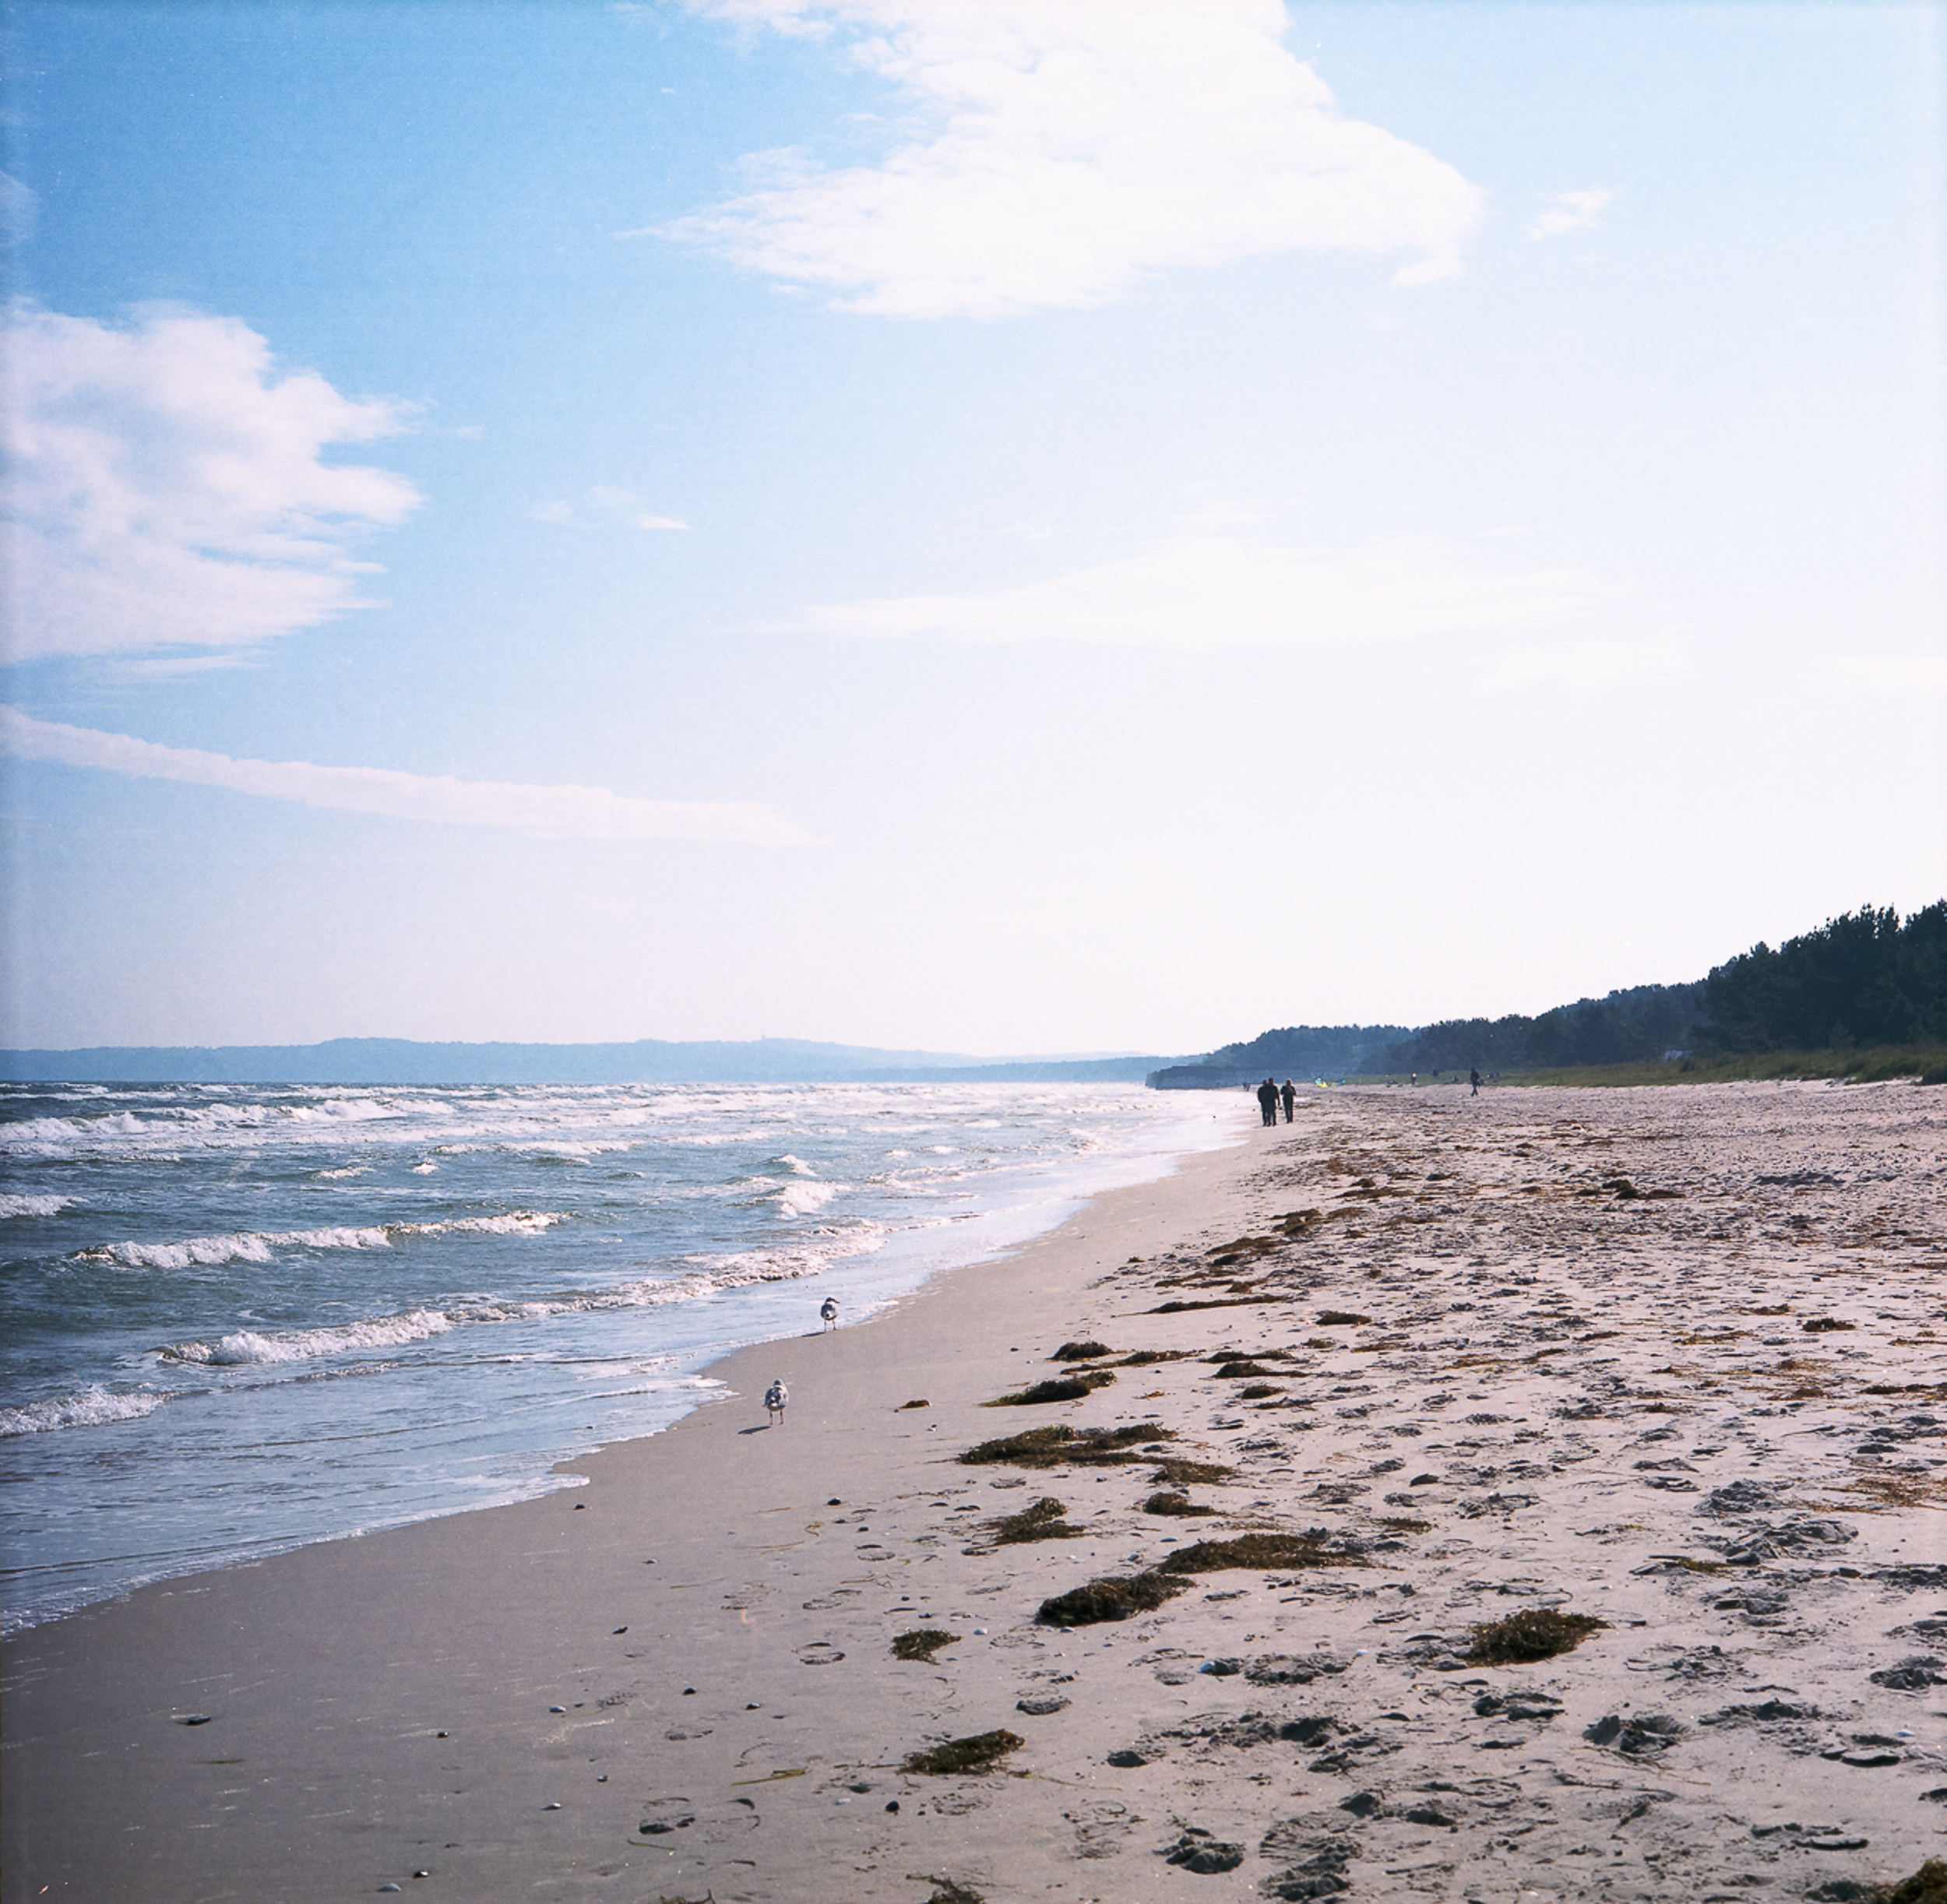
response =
{"points": [[249, 1347], [93, 1405], [802, 1197], [252, 1246], [29, 1203]]}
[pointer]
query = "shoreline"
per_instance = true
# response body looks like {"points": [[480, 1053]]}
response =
{"points": [[699, 1639]]}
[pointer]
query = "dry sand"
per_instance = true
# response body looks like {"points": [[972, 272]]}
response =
{"points": [[1673, 1359]]}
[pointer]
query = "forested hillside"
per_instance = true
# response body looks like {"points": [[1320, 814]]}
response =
{"points": [[1865, 978]]}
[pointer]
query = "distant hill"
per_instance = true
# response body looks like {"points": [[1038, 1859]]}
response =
{"points": [[647, 1061], [1865, 978]]}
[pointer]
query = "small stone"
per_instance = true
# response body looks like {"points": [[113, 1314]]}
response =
{"points": [[1127, 1761], [552, 1805], [195, 1718], [557, 1709], [892, 1804], [1041, 1705]]}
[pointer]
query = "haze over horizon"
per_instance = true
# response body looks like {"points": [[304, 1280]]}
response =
{"points": [[981, 526]]}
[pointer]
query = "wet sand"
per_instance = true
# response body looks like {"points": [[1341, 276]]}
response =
{"points": [[1673, 1360]]}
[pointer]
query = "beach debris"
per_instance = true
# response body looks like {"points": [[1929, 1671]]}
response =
{"points": [[1913, 1674], [1041, 1520], [1639, 1735], [921, 1403], [1320, 1871], [975, 1753], [921, 1643], [1361, 1804], [1174, 1504], [1186, 1473], [1143, 1358], [1112, 1597], [947, 1890], [1126, 1761], [1062, 1389], [820, 1653], [1040, 1705], [1196, 1850], [1824, 1325], [195, 1719], [1212, 1302], [1057, 1443], [1341, 1318], [1314, 1548], [1292, 1668], [1534, 1633], [1080, 1351]]}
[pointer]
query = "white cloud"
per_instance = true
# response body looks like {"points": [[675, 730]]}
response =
{"points": [[1203, 588], [168, 489], [1072, 146], [1569, 211], [1889, 674], [1585, 667], [574, 812], [602, 505]]}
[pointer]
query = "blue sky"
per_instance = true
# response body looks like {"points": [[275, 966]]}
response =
{"points": [[991, 524]]}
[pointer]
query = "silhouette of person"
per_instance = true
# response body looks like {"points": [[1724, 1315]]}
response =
{"points": [[1268, 1101], [1474, 1078], [1289, 1094]]}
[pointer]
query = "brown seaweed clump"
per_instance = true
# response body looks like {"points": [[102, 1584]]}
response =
{"points": [[1174, 1504], [974, 1754], [1928, 1885], [1174, 1470], [1057, 1443], [1113, 1597], [1260, 1550], [1143, 1357], [922, 1642], [1042, 1520], [1537, 1633], [948, 1892], [1237, 1371], [1063, 1389], [1080, 1351], [1340, 1318]]}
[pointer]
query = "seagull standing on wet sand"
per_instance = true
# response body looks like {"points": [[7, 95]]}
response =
{"points": [[776, 1397], [828, 1312]]}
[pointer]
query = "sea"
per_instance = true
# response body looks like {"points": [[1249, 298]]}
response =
{"points": [[236, 1319]]}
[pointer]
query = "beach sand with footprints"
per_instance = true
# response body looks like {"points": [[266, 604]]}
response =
{"points": [[1353, 1424]]}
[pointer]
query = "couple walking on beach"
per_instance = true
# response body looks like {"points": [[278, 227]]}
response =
{"points": [[1269, 1097]]}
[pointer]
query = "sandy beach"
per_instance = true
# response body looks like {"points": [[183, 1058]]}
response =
{"points": [[1673, 1360]]}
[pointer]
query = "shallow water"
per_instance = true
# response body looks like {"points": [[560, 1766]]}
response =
{"points": [[239, 1318]]}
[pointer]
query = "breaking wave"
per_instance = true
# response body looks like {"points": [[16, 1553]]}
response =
{"points": [[255, 1246], [93, 1405], [28, 1204]]}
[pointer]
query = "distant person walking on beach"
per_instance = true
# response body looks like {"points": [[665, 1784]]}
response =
{"points": [[776, 1397], [1289, 1094], [828, 1312], [1268, 1101], [1474, 1077]]}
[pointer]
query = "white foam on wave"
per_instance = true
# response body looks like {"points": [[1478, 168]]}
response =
{"points": [[91, 1406], [30, 1203], [801, 1198], [249, 1347], [256, 1246], [350, 1169], [797, 1165]]}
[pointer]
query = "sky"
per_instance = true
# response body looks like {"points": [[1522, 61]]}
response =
{"points": [[992, 526]]}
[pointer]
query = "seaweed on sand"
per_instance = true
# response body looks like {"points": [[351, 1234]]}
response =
{"points": [[1080, 1351], [949, 1892], [1113, 1597], [1062, 1389], [1537, 1633], [1041, 1521], [1174, 1504], [922, 1642], [1057, 1443], [1261, 1551], [1341, 1318], [1928, 1885], [973, 1754], [1176, 1470]]}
